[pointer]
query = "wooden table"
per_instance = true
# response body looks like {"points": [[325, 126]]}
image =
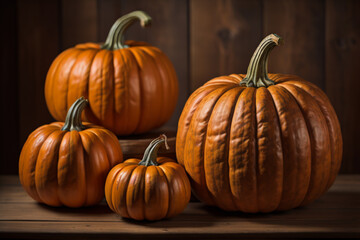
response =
{"points": [[335, 215]]}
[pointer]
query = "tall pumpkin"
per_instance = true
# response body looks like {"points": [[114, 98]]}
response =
{"points": [[66, 163], [260, 142], [131, 87]]}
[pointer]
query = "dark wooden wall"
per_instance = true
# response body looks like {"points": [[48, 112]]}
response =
{"points": [[203, 38]]}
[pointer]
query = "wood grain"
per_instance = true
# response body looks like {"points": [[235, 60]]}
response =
{"points": [[38, 45], [79, 22], [108, 12], [9, 89], [223, 36], [335, 215], [302, 26], [342, 64]]}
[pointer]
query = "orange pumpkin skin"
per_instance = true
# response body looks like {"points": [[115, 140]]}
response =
{"points": [[147, 192], [58, 167], [259, 149], [130, 90]]}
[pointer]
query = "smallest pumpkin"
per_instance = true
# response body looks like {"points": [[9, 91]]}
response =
{"points": [[152, 188]]}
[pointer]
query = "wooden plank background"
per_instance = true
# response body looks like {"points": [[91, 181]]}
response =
{"points": [[203, 38]]}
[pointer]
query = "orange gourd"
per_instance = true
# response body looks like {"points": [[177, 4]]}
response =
{"points": [[131, 87], [67, 163], [152, 188], [259, 142]]}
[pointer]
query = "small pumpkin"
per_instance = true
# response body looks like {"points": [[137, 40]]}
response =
{"points": [[131, 86], [259, 142], [67, 163], [152, 188]]}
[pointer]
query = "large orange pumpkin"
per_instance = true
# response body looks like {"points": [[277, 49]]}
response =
{"points": [[259, 143], [131, 87], [152, 188], [67, 163]]}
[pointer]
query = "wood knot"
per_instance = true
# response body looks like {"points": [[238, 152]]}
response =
{"points": [[224, 35]]}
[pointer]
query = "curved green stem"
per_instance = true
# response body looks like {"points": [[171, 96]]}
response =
{"points": [[115, 39], [256, 75], [150, 154], [73, 117]]}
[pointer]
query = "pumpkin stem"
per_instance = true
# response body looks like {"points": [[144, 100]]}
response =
{"points": [[256, 75], [73, 117], [115, 39], [150, 154]]}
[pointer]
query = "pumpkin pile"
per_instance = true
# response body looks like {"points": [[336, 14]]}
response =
{"points": [[129, 87], [254, 143]]}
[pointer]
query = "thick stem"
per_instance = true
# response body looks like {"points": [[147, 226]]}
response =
{"points": [[115, 39], [150, 154], [73, 117], [256, 75]]}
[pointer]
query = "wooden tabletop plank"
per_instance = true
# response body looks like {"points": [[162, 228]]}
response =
{"points": [[178, 230], [194, 212], [336, 214]]}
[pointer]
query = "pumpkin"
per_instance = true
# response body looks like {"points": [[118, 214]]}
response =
{"points": [[152, 188], [131, 87], [259, 142], [67, 163]]}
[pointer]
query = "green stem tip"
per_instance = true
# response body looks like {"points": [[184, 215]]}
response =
{"points": [[115, 39], [150, 154], [73, 117], [256, 75]]}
